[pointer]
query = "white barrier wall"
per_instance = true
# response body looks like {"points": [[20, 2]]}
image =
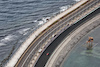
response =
{"points": [[23, 47]]}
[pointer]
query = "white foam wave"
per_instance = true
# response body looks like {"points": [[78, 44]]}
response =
{"points": [[44, 20], [35, 21], [63, 8], [23, 31], [40, 22], [21, 41], [77, 0], [2, 44], [9, 38]]}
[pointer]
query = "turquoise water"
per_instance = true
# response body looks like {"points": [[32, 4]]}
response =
{"points": [[80, 57]]}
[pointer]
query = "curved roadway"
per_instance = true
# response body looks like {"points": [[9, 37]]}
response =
{"points": [[44, 58], [37, 43]]}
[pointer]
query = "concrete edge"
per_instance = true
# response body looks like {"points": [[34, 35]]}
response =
{"points": [[56, 53], [24, 46]]}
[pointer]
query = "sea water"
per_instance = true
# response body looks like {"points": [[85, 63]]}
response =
{"points": [[20, 18]]}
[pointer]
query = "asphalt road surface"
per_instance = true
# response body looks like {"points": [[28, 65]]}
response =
{"points": [[44, 58], [31, 50]]}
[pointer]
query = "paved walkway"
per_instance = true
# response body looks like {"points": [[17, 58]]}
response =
{"points": [[60, 49], [39, 62], [24, 46]]}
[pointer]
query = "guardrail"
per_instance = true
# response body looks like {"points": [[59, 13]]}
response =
{"points": [[58, 25], [58, 61]]}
